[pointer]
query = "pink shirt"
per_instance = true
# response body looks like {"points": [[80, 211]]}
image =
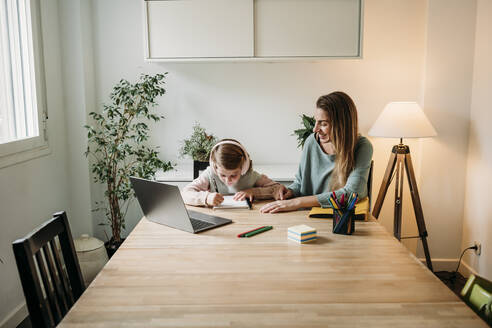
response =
{"points": [[196, 192]]}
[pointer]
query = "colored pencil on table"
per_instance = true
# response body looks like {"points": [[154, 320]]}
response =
{"points": [[242, 234], [250, 234]]}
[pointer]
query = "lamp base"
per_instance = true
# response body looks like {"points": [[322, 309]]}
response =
{"points": [[399, 162]]}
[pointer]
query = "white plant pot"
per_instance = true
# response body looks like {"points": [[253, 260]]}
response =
{"points": [[92, 256]]}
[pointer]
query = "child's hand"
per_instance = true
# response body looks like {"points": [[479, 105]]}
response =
{"points": [[242, 195], [281, 192], [214, 199]]}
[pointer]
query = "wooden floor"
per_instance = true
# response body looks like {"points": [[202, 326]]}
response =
{"points": [[162, 277]]}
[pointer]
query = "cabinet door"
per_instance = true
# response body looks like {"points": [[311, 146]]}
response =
{"points": [[199, 28], [311, 28]]}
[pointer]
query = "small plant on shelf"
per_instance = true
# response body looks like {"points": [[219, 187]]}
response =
{"points": [[198, 145], [303, 133]]}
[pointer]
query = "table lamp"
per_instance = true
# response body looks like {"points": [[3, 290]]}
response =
{"points": [[402, 120]]}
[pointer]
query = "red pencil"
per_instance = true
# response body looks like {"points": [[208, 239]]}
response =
{"points": [[241, 234]]}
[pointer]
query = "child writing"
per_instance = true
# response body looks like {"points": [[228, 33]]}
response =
{"points": [[230, 172]]}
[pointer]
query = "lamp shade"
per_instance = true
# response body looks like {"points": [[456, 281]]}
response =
{"points": [[402, 120]]}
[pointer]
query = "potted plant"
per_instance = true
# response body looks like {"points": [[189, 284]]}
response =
{"points": [[117, 145], [303, 133], [198, 147]]}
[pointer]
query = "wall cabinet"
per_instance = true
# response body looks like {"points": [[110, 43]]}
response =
{"points": [[252, 29], [307, 28], [199, 28]]}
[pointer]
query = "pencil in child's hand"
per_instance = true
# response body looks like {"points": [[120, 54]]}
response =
{"points": [[250, 205], [215, 185]]}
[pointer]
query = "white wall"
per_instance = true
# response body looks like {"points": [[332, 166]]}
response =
{"points": [[447, 95], [254, 102], [32, 191], [410, 52], [477, 224], [413, 50]]}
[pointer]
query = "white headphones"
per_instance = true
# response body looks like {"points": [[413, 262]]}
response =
{"points": [[244, 168]]}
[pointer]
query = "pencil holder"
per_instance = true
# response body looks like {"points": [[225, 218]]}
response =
{"points": [[343, 222]]}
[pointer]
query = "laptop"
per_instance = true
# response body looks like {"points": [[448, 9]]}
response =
{"points": [[162, 203]]}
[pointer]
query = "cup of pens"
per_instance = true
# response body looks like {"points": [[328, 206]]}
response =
{"points": [[343, 213]]}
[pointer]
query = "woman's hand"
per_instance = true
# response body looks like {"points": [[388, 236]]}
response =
{"points": [[243, 194], [214, 199], [280, 206]]}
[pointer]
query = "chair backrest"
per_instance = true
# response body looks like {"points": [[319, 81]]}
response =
{"points": [[38, 256], [369, 185]]}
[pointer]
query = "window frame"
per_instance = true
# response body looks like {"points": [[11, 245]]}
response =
{"points": [[21, 150]]}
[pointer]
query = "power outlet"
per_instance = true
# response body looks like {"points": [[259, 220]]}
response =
{"points": [[478, 251]]}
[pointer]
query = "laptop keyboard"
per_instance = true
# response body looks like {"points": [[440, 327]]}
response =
{"points": [[199, 224]]}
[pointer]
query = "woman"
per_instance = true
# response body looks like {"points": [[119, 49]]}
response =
{"points": [[334, 158]]}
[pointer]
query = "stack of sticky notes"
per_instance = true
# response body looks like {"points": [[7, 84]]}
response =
{"points": [[301, 234]]}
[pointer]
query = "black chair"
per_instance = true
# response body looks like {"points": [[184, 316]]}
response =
{"points": [[38, 255], [365, 216], [369, 184]]}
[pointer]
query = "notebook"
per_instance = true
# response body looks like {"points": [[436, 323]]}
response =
{"points": [[361, 210], [229, 202]]}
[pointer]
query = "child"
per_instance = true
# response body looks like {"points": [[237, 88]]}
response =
{"points": [[230, 172]]}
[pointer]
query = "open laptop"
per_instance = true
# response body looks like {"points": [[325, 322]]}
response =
{"points": [[162, 203]]}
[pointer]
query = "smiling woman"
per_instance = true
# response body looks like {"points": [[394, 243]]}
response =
{"points": [[335, 158]]}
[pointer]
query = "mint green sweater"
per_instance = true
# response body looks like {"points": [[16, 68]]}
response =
{"points": [[315, 168]]}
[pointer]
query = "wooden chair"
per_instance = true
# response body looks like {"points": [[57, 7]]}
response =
{"points": [[38, 256], [364, 205], [362, 208]]}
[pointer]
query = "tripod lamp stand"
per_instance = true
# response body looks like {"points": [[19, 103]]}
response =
{"points": [[402, 120]]}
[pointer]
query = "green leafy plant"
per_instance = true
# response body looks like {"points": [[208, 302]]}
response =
{"points": [[302, 134], [117, 145], [198, 145]]}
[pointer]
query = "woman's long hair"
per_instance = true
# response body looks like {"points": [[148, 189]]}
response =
{"points": [[342, 117]]}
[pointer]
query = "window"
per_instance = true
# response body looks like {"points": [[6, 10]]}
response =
{"points": [[22, 106]]}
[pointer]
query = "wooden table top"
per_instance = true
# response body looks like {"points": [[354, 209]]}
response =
{"points": [[163, 277]]}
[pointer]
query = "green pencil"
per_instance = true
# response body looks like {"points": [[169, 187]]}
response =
{"points": [[252, 233]]}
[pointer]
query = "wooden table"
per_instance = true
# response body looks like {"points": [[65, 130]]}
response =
{"points": [[162, 277]]}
